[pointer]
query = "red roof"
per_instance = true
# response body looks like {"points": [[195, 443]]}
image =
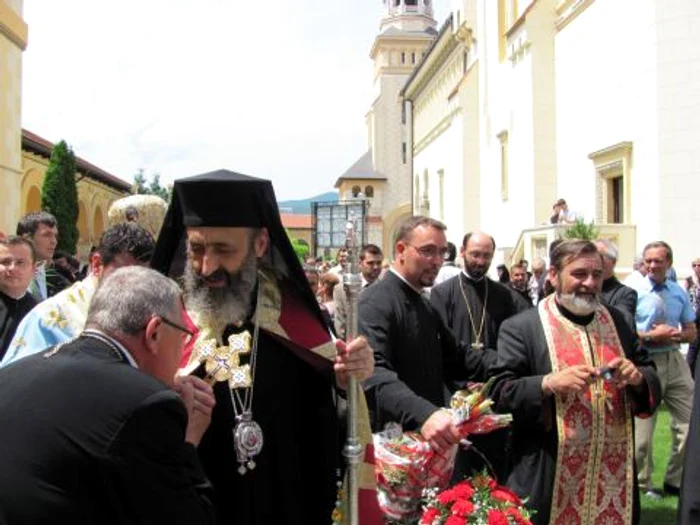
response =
{"points": [[296, 221], [39, 145]]}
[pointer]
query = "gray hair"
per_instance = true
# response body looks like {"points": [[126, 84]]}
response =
{"points": [[609, 250], [127, 298]]}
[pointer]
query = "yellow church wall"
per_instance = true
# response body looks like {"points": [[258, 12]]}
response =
{"points": [[94, 200], [13, 40]]}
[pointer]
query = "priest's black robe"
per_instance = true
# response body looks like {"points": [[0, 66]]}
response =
{"points": [[523, 360], [502, 303], [414, 353], [689, 502], [12, 311], [294, 482]]}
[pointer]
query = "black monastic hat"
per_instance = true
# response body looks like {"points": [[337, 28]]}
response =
{"points": [[224, 198]]}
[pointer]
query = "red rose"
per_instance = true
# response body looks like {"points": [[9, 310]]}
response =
{"points": [[515, 514], [463, 491], [446, 496], [455, 520], [496, 517], [503, 494], [462, 508], [492, 484], [429, 516]]}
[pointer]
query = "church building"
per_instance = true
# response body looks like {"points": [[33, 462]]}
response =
{"points": [[513, 104]]}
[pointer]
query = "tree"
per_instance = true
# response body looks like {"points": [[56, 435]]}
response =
{"points": [[581, 230], [59, 195], [301, 247], [143, 187]]}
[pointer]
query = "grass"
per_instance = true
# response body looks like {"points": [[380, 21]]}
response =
{"points": [[663, 511]]}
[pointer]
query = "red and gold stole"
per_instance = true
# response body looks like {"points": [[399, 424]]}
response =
{"points": [[593, 482]]}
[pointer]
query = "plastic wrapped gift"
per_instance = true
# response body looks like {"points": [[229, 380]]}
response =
{"points": [[150, 208], [406, 465]]}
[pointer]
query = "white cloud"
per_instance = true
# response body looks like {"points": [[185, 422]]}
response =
{"points": [[275, 88]]}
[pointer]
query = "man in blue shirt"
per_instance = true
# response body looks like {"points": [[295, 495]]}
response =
{"points": [[665, 319]]}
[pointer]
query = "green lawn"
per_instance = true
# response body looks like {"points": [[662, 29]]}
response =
{"points": [[663, 511]]}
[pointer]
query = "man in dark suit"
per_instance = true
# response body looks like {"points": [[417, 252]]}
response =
{"points": [[93, 430], [414, 351]]}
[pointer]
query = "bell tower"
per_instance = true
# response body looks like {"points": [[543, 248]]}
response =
{"points": [[406, 30]]}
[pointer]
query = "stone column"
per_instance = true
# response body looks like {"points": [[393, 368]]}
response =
{"points": [[13, 41]]}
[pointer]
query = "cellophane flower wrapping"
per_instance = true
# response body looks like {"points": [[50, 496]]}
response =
{"points": [[406, 465], [475, 501]]}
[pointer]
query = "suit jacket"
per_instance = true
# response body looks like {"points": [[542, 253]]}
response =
{"points": [[87, 438]]}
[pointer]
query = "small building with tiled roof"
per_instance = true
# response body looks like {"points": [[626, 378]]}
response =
{"points": [[299, 226], [97, 189]]}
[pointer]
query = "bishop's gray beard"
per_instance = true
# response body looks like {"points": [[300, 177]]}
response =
{"points": [[578, 304], [222, 306]]}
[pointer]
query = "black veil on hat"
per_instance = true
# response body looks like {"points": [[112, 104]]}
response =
{"points": [[224, 198]]}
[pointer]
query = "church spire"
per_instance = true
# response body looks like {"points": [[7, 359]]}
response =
{"points": [[408, 15]]}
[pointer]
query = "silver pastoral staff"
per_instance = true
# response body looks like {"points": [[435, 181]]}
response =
{"points": [[352, 282]]}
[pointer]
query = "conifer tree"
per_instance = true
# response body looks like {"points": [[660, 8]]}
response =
{"points": [[59, 195]]}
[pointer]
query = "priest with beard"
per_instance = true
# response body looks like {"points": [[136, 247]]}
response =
{"points": [[473, 307], [573, 374], [272, 451]]}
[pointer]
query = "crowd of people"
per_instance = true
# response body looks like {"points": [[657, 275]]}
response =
{"points": [[209, 387]]}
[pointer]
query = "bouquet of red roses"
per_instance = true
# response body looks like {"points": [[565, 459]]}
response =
{"points": [[406, 465], [479, 500]]}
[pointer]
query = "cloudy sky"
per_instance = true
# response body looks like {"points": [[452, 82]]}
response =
{"points": [[272, 88]]}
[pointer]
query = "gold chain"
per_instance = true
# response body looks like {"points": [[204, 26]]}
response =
{"points": [[476, 345]]}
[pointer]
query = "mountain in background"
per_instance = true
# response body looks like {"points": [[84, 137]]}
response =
{"points": [[303, 206]]}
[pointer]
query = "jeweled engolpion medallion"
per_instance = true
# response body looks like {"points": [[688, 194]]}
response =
{"points": [[247, 441]]}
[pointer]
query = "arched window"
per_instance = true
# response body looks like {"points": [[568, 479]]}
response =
{"points": [[369, 192], [356, 191]]}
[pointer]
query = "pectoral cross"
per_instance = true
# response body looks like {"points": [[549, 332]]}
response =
{"points": [[223, 363], [477, 346]]}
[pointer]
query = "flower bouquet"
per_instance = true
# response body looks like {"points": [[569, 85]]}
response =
{"points": [[406, 465], [477, 501]]}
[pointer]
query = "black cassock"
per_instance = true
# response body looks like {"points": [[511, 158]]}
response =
{"points": [[414, 353], [689, 503], [501, 304], [294, 481], [523, 359], [12, 311]]}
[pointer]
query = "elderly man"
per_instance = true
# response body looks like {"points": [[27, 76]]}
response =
{"points": [[615, 293], [536, 283], [572, 373], [272, 452], [415, 351], [16, 272], [92, 430], [370, 268], [665, 319], [62, 316]]}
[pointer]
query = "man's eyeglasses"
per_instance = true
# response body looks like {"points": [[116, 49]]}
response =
{"points": [[695, 265], [190, 333], [430, 251]]}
